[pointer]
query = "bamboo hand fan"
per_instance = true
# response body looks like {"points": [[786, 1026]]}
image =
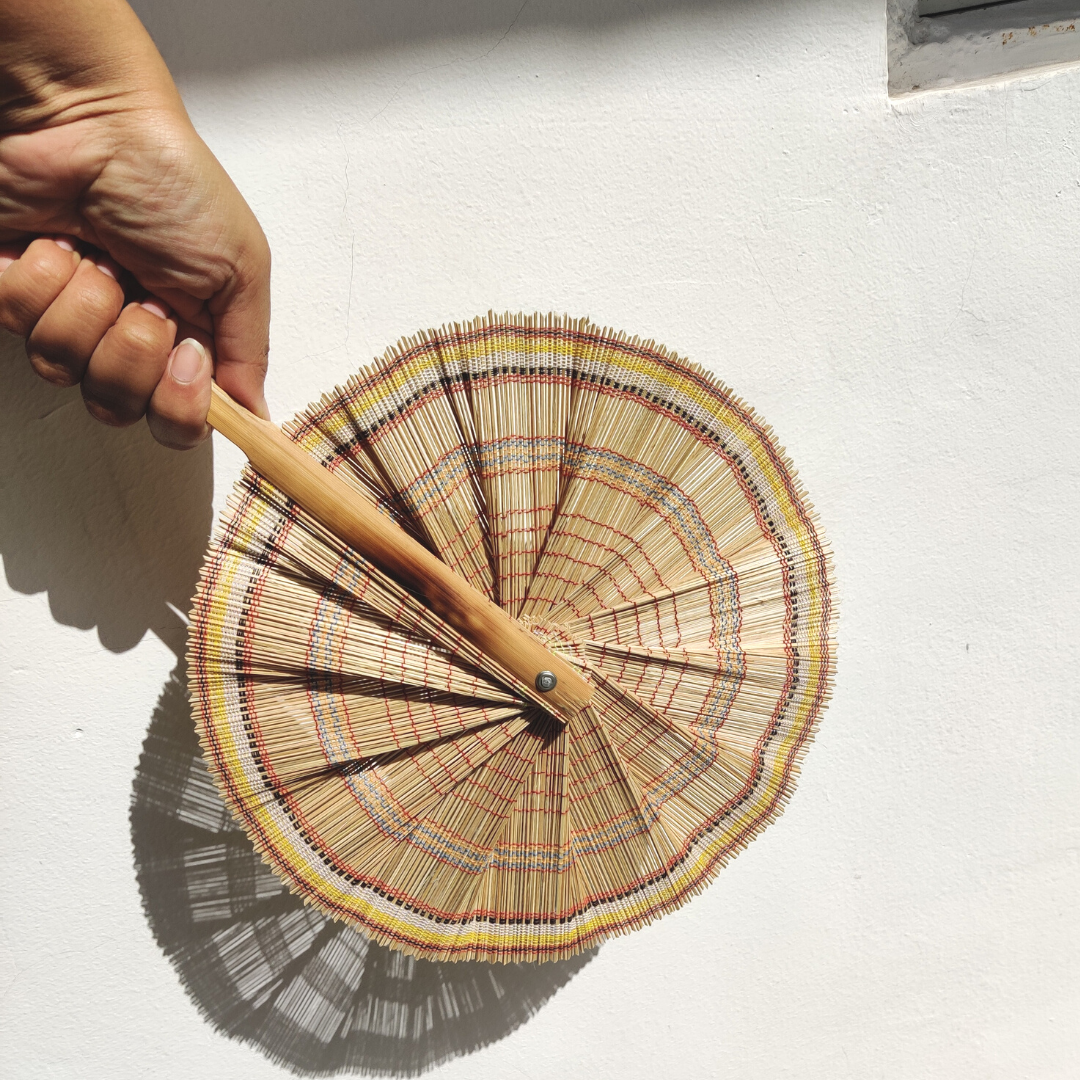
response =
{"points": [[653, 557]]}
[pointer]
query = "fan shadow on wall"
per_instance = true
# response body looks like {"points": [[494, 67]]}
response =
{"points": [[312, 994]]}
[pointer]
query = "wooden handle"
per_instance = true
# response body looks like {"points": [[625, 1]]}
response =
{"points": [[350, 517]]}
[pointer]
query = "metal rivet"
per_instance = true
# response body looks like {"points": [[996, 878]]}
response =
{"points": [[546, 681]]}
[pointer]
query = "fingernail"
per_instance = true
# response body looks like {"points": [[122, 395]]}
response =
{"points": [[108, 272], [187, 361], [156, 307], [63, 242]]}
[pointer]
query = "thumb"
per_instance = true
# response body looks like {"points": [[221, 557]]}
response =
{"points": [[241, 313]]}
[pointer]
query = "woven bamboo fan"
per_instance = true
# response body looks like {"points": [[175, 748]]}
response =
{"points": [[634, 720]]}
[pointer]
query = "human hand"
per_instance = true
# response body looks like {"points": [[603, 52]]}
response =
{"points": [[107, 190]]}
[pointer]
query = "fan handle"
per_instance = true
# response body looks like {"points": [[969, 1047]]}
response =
{"points": [[350, 517]]}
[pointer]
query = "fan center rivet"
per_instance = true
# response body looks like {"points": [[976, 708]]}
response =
{"points": [[546, 681]]}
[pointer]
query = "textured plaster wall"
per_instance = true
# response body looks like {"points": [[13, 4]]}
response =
{"points": [[891, 283]]}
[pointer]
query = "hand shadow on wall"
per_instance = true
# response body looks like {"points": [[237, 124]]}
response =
{"points": [[107, 522], [312, 994]]}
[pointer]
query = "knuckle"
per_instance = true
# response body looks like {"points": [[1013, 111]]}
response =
{"points": [[46, 268], [137, 337], [61, 347], [31, 284], [175, 433], [100, 304], [113, 413], [16, 314], [177, 415], [50, 370]]}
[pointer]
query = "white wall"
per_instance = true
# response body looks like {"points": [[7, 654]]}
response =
{"points": [[892, 284]]}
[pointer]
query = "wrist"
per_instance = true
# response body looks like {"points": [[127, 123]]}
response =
{"points": [[68, 60]]}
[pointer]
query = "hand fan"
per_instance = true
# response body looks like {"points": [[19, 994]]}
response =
{"points": [[510, 643]]}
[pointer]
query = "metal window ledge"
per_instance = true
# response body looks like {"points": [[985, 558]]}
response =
{"points": [[933, 51]]}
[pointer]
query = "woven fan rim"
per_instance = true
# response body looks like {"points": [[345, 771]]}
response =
{"points": [[308, 419]]}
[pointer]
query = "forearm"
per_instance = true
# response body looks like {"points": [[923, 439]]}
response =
{"points": [[63, 60]]}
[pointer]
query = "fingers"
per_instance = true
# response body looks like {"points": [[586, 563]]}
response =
{"points": [[177, 411], [128, 363], [66, 335], [33, 280], [78, 329]]}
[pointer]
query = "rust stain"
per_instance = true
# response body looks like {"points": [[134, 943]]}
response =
{"points": [[1034, 31]]}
